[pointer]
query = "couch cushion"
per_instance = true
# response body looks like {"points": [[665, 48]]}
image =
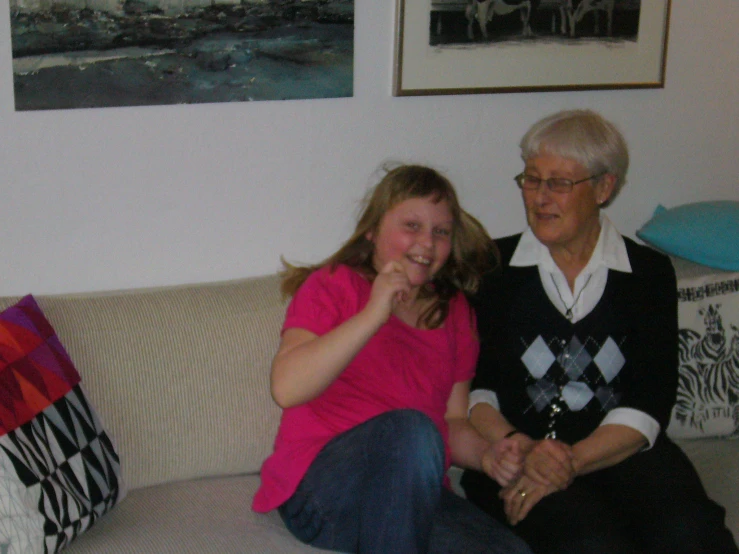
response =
{"points": [[179, 374], [192, 517], [702, 232], [708, 317], [59, 472]]}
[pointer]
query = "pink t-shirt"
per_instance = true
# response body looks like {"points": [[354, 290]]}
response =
{"points": [[400, 367]]}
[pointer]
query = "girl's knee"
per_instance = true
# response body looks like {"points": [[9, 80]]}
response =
{"points": [[416, 429], [413, 439]]}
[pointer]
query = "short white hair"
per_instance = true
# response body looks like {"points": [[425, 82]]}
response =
{"points": [[583, 136]]}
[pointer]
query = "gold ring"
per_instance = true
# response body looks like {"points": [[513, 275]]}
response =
{"points": [[522, 493]]}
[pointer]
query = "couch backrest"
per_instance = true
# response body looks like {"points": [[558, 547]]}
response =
{"points": [[179, 375]]}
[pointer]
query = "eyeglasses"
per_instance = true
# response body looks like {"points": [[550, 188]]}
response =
{"points": [[554, 184]]}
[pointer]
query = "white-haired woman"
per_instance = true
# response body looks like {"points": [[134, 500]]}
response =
{"points": [[578, 363]]}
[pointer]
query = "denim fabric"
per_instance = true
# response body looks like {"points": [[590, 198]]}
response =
{"points": [[462, 528], [378, 489]]}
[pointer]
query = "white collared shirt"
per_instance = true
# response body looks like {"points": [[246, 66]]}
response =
{"points": [[609, 254]]}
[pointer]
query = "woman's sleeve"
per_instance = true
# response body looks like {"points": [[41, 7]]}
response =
{"points": [[487, 367], [653, 381]]}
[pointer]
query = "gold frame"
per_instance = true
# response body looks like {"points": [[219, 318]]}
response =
{"points": [[526, 65]]}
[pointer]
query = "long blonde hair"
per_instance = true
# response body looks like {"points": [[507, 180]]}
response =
{"points": [[472, 248]]}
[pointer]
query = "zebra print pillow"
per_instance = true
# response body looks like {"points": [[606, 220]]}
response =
{"points": [[708, 381]]}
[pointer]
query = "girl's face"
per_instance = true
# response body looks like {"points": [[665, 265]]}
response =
{"points": [[417, 233]]}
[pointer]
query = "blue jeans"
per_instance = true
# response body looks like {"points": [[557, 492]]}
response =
{"points": [[377, 488]]}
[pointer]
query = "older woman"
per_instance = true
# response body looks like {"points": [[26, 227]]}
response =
{"points": [[578, 365]]}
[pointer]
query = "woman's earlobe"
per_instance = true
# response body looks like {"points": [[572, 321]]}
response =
{"points": [[607, 188]]}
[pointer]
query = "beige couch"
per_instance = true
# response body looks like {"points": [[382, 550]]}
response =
{"points": [[179, 376]]}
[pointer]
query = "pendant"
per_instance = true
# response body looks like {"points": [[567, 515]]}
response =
{"points": [[568, 314]]}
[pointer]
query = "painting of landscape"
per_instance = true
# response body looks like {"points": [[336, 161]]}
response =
{"points": [[105, 53]]}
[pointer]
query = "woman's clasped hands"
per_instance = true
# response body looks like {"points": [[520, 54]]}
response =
{"points": [[548, 467]]}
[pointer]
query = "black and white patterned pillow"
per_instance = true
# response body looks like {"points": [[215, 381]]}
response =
{"points": [[59, 471], [708, 387]]}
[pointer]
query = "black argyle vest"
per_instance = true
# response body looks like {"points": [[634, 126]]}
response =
{"points": [[555, 378]]}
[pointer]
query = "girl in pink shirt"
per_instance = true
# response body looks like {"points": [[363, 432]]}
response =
{"points": [[378, 348]]}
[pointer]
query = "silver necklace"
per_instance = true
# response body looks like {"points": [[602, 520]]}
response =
{"points": [[568, 311]]}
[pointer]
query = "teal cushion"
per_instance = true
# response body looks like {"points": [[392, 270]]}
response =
{"points": [[706, 233]]}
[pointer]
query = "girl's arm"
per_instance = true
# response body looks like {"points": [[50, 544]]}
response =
{"points": [[306, 364], [500, 459], [490, 422], [546, 461]]}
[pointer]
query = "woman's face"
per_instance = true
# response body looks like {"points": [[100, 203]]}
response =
{"points": [[564, 220]]}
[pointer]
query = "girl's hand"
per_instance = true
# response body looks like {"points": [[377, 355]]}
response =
{"points": [[503, 461], [390, 287]]}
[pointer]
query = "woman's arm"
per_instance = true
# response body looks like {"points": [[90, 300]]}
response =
{"points": [[652, 381], [651, 387], [608, 445], [500, 459], [555, 464], [306, 364]]}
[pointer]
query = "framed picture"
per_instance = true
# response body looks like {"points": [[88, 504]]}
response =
{"points": [[484, 46]]}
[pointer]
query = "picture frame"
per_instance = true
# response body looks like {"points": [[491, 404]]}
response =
{"points": [[585, 48]]}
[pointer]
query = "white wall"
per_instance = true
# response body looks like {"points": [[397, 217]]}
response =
{"points": [[125, 197]]}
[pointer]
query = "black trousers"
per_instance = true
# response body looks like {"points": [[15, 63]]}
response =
{"points": [[653, 503]]}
